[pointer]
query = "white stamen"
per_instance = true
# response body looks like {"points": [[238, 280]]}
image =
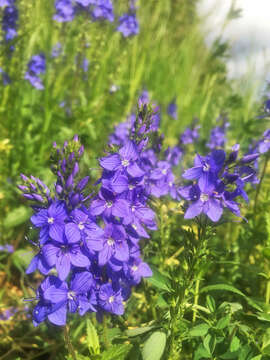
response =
{"points": [[110, 242], [71, 295], [81, 226], [125, 162], [206, 167], [109, 204], [204, 197], [50, 220], [111, 299], [134, 268]]}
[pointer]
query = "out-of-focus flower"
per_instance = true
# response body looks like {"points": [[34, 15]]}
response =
{"points": [[128, 25], [36, 66]]}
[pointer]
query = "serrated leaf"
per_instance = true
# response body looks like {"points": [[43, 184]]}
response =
{"points": [[92, 338], [154, 346], [199, 330], [159, 280], [139, 331], [17, 217], [116, 352]]}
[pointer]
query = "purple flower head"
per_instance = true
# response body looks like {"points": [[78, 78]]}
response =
{"points": [[173, 155], [5, 78], [7, 248], [51, 221], [205, 201], [36, 66], [114, 245], [135, 269], [264, 143], [62, 256], [190, 135], [172, 110], [64, 10], [4, 3], [206, 168], [9, 25], [124, 161], [103, 9], [128, 25], [111, 300], [218, 136]]}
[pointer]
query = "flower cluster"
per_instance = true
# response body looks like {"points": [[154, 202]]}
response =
{"points": [[91, 243], [36, 67], [98, 9], [218, 135], [10, 18], [157, 166], [217, 181]]}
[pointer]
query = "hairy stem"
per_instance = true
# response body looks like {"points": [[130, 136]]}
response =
{"points": [[70, 347]]}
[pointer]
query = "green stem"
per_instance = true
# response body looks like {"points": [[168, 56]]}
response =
{"points": [[267, 294], [196, 299], [260, 183], [105, 333], [70, 347]]}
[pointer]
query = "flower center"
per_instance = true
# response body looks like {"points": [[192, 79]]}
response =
{"points": [[109, 204], [125, 162], [134, 268], [81, 226], [50, 220], [111, 299], [164, 171], [131, 187], [170, 184], [204, 197], [110, 242], [206, 167], [132, 208], [71, 295], [266, 141], [134, 226]]}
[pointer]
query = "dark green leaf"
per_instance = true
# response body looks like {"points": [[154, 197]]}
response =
{"points": [[159, 280], [116, 352]]}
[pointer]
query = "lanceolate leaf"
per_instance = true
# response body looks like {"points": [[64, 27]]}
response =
{"points": [[154, 346]]}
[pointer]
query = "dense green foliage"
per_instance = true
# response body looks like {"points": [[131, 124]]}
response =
{"points": [[208, 298]]}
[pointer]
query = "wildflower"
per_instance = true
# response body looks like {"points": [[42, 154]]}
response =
{"points": [[172, 110], [9, 22], [111, 300], [128, 25], [36, 66], [103, 9], [64, 10], [5, 78]]}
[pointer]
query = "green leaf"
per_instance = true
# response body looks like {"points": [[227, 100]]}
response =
{"points": [[222, 287], [199, 330], [116, 352], [201, 353], [139, 331], [211, 304], [226, 287], [154, 346], [17, 217], [21, 258], [223, 322], [159, 280], [258, 357], [92, 338], [235, 344]]}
